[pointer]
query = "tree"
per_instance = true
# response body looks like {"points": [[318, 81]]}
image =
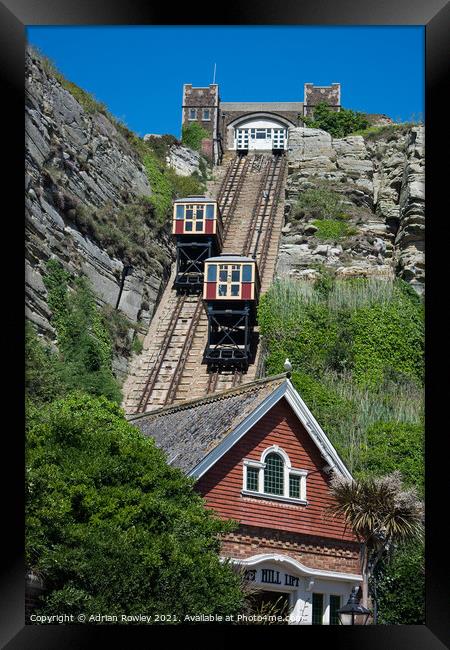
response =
{"points": [[381, 514], [336, 123], [193, 134], [111, 528]]}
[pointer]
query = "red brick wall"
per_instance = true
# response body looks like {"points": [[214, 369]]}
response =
{"points": [[222, 484], [314, 552]]}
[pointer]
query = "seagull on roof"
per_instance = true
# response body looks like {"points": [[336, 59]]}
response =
{"points": [[288, 366]]}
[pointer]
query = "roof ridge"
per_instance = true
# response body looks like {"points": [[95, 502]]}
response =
{"points": [[208, 398]]}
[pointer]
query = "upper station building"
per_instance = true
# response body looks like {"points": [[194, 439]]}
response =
{"points": [[246, 126]]}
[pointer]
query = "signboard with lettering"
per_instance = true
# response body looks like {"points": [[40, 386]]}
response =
{"points": [[271, 577]]}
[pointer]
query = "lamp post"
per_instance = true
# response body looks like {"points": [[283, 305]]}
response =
{"points": [[353, 613]]}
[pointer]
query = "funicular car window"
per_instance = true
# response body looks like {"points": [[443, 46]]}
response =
{"points": [[189, 211], [212, 273], [180, 212], [222, 289], [223, 273], [235, 273], [247, 273], [235, 289], [210, 211]]}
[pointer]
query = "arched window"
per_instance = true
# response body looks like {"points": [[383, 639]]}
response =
{"points": [[274, 477], [274, 474]]}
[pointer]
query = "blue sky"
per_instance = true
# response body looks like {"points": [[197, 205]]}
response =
{"points": [[138, 72]]}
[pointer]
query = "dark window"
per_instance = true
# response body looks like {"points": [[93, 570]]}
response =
{"points": [[294, 486], [223, 274], [206, 114], [234, 289], [199, 212], [180, 212], [188, 225], [210, 212], [317, 609], [199, 226], [273, 475], [222, 289], [192, 113], [252, 478], [212, 273], [189, 212], [335, 603], [235, 275], [247, 273]]}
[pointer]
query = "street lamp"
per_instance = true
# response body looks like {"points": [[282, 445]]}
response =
{"points": [[353, 613]]}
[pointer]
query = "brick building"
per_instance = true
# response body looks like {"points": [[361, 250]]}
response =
{"points": [[250, 125], [261, 458]]}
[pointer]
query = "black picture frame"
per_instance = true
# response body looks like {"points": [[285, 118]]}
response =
{"points": [[15, 15]]}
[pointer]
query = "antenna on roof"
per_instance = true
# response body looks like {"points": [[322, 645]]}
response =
{"points": [[214, 77]]}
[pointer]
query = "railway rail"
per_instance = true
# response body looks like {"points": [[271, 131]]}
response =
{"points": [[186, 314]]}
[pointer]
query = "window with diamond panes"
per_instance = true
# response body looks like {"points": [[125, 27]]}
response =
{"points": [[273, 474], [335, 604], [317, 609], [294, 486], [252, 478]]}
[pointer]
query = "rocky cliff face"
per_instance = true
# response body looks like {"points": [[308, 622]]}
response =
{"points": [[381, 182], [79, 159]]}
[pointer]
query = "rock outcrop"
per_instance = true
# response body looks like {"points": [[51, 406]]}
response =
{"points": [[183, 161], [78, 159], [381, 182]]}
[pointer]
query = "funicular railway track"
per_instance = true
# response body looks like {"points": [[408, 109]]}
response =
{"points": [[256, 244], [186, 319]]}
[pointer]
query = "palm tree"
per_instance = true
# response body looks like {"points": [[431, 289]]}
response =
{"points": [[381, 514]]}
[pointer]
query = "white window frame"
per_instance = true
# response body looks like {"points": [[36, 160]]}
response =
{"points": [[288, 471], [206, 119], [192, 119]]}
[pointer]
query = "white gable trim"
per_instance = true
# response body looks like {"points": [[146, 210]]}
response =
{"points": [[287, 390], [298, 567]]}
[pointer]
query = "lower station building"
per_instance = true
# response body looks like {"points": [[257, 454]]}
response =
{"points": [[259, 457]]}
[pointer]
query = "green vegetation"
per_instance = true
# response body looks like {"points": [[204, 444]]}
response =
{"points": [[396, 446], [193, 134], [338, 124], [332, 229], [381, 514], [162, 190], [357, 351], [400, 586], [111, 527], [320, 202], [386, 132], [85, 347]]}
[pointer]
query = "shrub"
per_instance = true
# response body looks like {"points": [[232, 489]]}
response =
{"points": [[111, 528], [320, 202], [332, 229], [395, 445], [400, 586], [84, 342], [338, 124], [193, 134]]}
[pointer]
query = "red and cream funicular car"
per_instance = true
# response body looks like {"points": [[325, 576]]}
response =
{"points": [[198, 230], [231, 293]]}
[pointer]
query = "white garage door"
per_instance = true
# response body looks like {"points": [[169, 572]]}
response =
{"points": [[261, 135]]}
